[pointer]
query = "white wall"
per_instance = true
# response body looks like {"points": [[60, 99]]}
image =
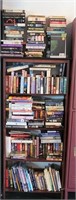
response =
{"points": [[75, 8], [65, 8]]}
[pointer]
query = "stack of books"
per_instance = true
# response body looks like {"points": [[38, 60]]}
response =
{"points": [[35, 44], [13, 40], [56, 37], [52, 145], [39, 109], [54, 112], [20, 111]]}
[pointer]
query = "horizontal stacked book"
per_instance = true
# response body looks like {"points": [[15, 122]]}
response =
{"points": [[22, 178], [56, 37], [35, 44], [13, 37]]}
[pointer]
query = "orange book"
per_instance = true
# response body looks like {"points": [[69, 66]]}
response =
{"points": [[7, 178]]}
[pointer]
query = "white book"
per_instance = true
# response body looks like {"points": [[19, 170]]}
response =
{"points": [[8, 146], [22, 113], [12, 41], [44, 141], [58, 179], [44, 66], [17, 68], [50, 138], [52, 179], [13, 11], [39, 68], [21, 105], [13, 31], [14, 36], [48, 180], [36, 18], [22, 117], [16, 123], [20, 24], [21, 141], [22, 85], [57, 85], [53, 123], [63, 55], [41, 85], [28, 84], [35, 31]]}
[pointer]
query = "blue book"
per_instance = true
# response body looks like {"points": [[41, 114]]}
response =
{"points": [[14, 178], [61, 91], [22, 85], [22, 178], [19, 179], [28, 180], [65, 85]]}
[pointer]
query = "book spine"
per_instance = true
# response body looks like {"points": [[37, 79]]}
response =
{"points": [[14, 178], [7, 178], [47, 179], [61, 85], [65, 85], [28, 84], [22, 85], [33, 84]]}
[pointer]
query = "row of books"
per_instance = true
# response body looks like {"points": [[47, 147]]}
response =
{"points": [[20, 178], [33, 36], [36, 79], [37, 84], [25, 146]]}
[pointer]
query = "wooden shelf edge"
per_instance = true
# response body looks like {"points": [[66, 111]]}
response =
{"points": [[36, 191], [32, 160]]}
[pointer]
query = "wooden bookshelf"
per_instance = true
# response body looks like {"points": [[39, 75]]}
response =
{"points": [[62, 129]]}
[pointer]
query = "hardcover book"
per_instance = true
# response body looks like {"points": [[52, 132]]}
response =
{"points": [[56, 46]]}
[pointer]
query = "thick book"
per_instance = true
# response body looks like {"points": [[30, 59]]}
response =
{"points": [[48, 179]]}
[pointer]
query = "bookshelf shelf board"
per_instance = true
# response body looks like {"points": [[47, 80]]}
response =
{"points": [[45, 95], [32, 160], [31, 128], [36, 191], [37, 60]]}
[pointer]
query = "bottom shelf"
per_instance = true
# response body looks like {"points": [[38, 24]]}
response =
{"points": [[9, 194], [35, 191]]}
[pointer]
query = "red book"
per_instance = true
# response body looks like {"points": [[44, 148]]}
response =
{"points": [[7, 178]]}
